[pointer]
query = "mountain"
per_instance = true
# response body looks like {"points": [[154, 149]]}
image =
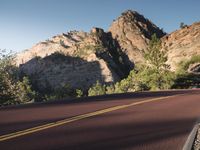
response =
{"points": [[80, 58]]}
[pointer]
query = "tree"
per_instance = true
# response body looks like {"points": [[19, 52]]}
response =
{"points": [[24, 92], [182, 25], [158, 74], [12, 90]]}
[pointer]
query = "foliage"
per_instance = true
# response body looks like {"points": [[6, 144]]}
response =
{"points": [[184, 65], [12, 90], [64, 92], [97, 89], [88, 49], [24, 92], [154, 55], [157, 74], [185, 79], [182, 25], [79, 93], [144, 78]]}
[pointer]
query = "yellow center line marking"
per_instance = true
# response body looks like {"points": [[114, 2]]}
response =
{"points": [[75, 118]]}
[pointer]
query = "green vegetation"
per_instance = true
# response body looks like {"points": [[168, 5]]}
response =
{"points": [[184, 65], [57, 94], [158, 74], [88, 49], [12, 89], [184, 78], [182, 25], [97, 89], [79, 93]]}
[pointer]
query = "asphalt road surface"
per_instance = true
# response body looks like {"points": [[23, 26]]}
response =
{"points": [[140, 121]]}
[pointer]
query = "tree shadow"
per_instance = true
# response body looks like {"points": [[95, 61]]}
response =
{"points": [[187, 81]]}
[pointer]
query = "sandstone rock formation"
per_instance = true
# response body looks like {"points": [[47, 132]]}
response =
{"points": [[182, 44], [78, 59], [133, 33]]}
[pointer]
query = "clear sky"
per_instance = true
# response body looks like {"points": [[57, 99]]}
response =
{"points": [[24, 23]]}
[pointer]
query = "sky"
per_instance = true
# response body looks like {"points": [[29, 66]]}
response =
{"points": [[24, 23]]}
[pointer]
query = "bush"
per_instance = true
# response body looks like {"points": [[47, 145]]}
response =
{"points": [[64, 92], [97, 89], [184, 79], [184, 65], [79, 93]]}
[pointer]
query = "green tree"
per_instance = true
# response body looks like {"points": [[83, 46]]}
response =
{"points": [[12, 91], [182, 25], [24, 92], [157, 71]]}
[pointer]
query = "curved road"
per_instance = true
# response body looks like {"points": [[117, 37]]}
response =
{"points": [[141, 121]]}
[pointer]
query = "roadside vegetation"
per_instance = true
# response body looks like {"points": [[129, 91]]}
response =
{"points": [[13, 90], [186, 79]]}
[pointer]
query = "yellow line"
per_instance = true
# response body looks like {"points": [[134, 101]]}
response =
{"points": [[72, 119]]}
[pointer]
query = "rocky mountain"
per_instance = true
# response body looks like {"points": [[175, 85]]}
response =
{"points": [[80, 59]]}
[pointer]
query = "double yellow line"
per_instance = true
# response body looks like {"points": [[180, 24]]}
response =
{"points": [[72, 119]]}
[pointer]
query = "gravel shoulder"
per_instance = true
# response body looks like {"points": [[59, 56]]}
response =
{"points": [[196, 144]]}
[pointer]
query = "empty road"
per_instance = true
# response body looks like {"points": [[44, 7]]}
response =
{"points": [[140, 121]]}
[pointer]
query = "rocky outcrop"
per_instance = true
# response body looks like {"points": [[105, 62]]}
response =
{"points": [[77, 59], [133, 33], [182, 44], [58, 70]]}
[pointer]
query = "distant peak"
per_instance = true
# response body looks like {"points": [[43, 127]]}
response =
{"points": [[130, 12], [133, 21]]}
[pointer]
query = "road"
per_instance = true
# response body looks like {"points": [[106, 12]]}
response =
{"points": [[140, 121]]}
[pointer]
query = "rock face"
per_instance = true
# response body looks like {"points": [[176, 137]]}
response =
{"points": [[77, 59], [80, 58], [133, 33], [182, 44]]}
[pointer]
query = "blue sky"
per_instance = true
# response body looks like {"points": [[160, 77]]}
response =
{"points": [[24, 23]]}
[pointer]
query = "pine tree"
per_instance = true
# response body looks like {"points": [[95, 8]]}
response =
{"points": [[157, 69]]}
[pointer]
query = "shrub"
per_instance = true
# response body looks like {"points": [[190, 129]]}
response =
{"points": [[184, 65], [79, 93], [97, 89]]}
